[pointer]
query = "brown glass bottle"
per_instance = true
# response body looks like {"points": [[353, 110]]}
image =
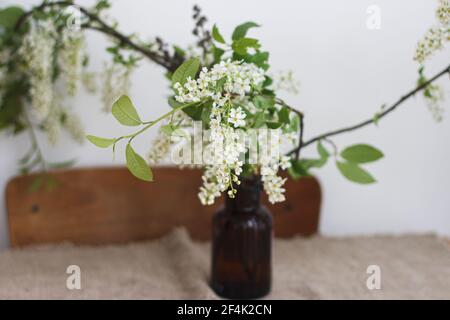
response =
{"points": [[242, 245]]}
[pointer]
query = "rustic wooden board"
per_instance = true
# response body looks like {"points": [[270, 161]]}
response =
{"points": [[107, 205]]}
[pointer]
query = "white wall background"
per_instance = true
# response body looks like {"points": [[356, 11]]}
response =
{"points": [[346, 72]]}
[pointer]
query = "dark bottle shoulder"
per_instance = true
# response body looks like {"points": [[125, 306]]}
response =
{"points": [[260, 213]]}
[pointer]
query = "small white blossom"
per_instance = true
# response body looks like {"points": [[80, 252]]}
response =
{"points": [[236, 117], [285, 162], [273, 186]]}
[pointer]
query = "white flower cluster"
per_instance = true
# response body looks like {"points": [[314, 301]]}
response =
{"points": [[225, 159], [434, 99], [162, 143], [59, 118], [443, 12], [238, 79], [436, 36], [287, 82], [37, 54], [272, 183], [433, 41], [236, 117], [70, 58], [227, 85], [116, 82]]}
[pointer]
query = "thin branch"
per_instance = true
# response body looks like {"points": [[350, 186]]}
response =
{"points": [[301, 125], [333, 145], [381, 115], [104, 28], [35, 142], [300, 138]]}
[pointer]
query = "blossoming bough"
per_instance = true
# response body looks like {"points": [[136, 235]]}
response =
{"points": [[231, 93], [230, 96], [260, 108]]}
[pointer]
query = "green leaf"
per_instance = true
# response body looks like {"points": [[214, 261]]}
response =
{"points": [[101, 142], [102, 4], [10, 16], [188, 69], [173, 103], [313, 163], [194, 111], [273, 125], [298, 169], [263, 102], [61, 165], [241, 30], [216, 35], [217, 53], [260, 59], [179, 51], [241, 46], [294, 125], [283, 115], [268, 81], [322, 151], [361, 153], [220, 83], [125, 112], [169, 128], [354, 173], [376, 118], [260, 120], [36, 184], [206, 113], [137, 165]]}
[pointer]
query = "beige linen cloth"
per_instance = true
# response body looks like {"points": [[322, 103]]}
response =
{"points": [[175, 267]]}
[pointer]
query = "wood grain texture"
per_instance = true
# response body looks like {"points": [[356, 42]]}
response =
{"points": [[108, 205]]}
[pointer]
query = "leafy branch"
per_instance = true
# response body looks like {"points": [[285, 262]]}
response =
{"points": [[382, 114], [125, 113], [96, 23], [171, 64]]}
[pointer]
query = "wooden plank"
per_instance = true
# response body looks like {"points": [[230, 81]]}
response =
{"points": [[107, 205]]}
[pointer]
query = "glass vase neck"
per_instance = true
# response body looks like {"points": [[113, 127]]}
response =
{"points": [[247, 199]]}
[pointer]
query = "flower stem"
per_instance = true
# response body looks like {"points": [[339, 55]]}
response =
{"points": [[150, 124]]}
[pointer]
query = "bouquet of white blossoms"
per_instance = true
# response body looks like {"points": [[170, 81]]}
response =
{"points": [[234, 104], [244, 125]]}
